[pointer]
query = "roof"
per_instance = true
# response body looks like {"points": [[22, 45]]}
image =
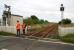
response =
{"points": [[16, 15]]}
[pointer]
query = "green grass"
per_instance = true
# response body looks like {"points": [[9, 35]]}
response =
{"points": [[54, 37], [68, 38], [38, 27], [6, 34]]}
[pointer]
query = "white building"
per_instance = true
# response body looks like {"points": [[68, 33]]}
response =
{"points": [[9, 21], [14, 18]]}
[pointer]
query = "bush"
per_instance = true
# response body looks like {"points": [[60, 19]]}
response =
{"points": [[34, 20], [34, 17], [65, 21], [68, 38]]}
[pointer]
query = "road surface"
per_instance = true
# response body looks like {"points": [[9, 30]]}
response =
{"points": [[13, 43]]}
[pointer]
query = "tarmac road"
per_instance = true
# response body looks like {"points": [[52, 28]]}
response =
{"points": [[13, 43]]}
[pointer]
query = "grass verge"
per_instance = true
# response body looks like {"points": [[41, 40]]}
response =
{"points": [[6, 34], [68, 38]]}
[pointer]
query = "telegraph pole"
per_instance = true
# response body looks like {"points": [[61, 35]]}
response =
{"points": [[6, 15], [62, 13]]}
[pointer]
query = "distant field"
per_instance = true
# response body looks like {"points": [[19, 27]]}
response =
{"points": [[37, 27]]}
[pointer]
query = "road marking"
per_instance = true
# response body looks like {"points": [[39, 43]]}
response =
{"points": [[57, 42], [52, 42], [4, 49]]}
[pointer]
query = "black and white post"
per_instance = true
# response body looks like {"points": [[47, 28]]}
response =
{"points": [[62, 13]]}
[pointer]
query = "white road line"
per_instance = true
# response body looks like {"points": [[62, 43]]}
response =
{"points": [[57, 42], [53, 42], [4, 49]]}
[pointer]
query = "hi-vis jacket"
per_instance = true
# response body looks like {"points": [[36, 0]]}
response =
{"points": [[18, 26], [23, 26]]}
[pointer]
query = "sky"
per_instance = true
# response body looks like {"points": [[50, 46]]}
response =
{"points": [[43, 9]]}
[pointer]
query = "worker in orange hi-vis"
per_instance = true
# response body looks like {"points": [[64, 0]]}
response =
{"points": [[18, 27], [23, 28]]}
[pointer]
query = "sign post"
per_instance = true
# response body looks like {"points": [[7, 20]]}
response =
{"points": [[62, 15]]}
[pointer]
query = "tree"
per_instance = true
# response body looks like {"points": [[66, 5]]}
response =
{"points": [[46, 21], [34, 20], [34, 17], [65, 21], [68, 21], [41, 21]]}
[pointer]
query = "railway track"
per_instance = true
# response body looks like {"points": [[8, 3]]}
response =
{"points": [[46, 32], [52, 32], [42, 34]]}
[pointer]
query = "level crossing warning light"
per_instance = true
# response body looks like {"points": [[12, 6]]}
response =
{"points": [[62, 7]]}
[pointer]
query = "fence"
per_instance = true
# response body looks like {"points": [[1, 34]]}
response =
{"points": [[62, 30], [65, 30], [10, 29]]}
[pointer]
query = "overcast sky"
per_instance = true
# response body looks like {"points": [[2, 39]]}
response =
{"points": [[43, 9]]}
